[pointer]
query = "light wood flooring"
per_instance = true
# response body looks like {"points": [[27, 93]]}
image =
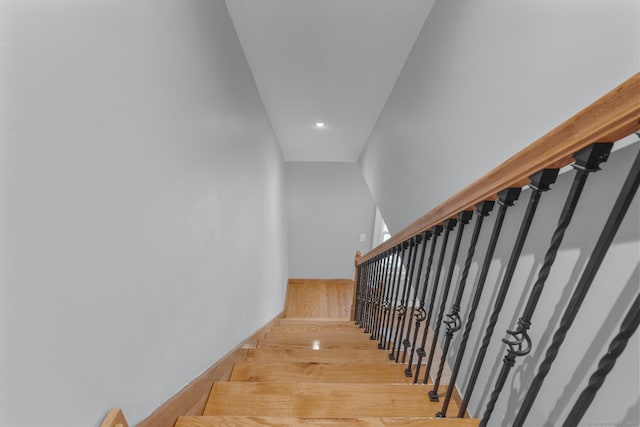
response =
{"points": [[310, 371]]}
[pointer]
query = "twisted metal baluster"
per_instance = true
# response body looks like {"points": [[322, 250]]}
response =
{"points": [[383, 296], [464, 218], [421, 314], [587, 161], [614, 220], [606, 364], [402, 314], [377, 297], [370, 279], [506, 198], [367, 289], [374, 294], [368, 298], [356, 314], [405, 245], [361, 297], [393, 262], [539, 182], [455, 323], [426, 236], [389, 289], [397, 272]]}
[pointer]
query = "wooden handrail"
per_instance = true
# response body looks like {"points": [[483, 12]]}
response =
{"points": [[610, 118]]}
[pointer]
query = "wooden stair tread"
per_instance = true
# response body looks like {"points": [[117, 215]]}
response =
{"points": [[321, 400], [326, 345], [240, 421], [321, 372], [317, 341], [319, 356], [313, 328], [302, 336], [300, 321]]}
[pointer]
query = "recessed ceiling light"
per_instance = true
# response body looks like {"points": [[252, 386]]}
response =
{"points": [[320, 125]]}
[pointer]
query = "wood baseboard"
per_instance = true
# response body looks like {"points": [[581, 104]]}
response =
{"points": [[192, 398]]}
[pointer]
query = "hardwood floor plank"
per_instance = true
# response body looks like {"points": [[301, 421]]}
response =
{"points": [[317, 341], [240, 421], [318, 322], [321, 400], [315, 328], [319, 356], [292, 372]]}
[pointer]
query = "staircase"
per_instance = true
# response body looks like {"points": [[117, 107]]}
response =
{"points": [[322, 371], [315, 366]]}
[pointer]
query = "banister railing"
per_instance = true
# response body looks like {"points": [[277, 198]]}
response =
{"points": [[609, 119], [395, 284]]}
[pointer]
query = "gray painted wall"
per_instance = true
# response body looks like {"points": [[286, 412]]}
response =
{"points": [[328, 207], [483, 81], [139, 178]]}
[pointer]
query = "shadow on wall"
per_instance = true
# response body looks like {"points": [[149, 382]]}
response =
{"points": [[595, 350], [609, 297], [597, 323]]}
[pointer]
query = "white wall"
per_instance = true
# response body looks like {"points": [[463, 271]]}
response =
{"points": [[139, 179], [485, 79], [328, 207]]}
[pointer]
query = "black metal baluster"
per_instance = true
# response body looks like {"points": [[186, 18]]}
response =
{"points": [[614, 220], [374, 294], [383, 294], [506, 198], [587, 161], [463, 218], [367, 291], [384, 329], [376, 297], [539, 182], [421, 314], [402, 313], [361, 292], [426, 236], [606, 364], [356, 313], [394, 293], [373, 290], [399, 267], [367, 285], [454, 322]]}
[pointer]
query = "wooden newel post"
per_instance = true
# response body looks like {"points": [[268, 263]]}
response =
{"points": [[115, 418], [356, 258]]}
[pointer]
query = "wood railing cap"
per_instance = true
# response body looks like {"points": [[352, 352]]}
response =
{"points": [[610, 118]]}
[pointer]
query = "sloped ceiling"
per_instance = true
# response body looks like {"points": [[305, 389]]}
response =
{"points": [[330, 61]]}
